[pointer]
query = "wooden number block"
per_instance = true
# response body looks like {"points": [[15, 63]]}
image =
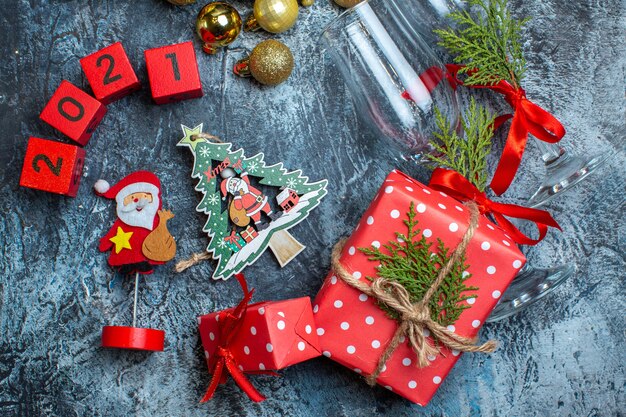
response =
{"points": [[173, 73], [110, 73], [52, 166], [73, 112]]}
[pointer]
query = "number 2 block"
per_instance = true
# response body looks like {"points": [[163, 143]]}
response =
{"points": [[173, 73], [110, 73], [73, 112], [52, 166]]}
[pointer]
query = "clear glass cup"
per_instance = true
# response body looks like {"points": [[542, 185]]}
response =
{"points": [[389, 71], [382, 56]]}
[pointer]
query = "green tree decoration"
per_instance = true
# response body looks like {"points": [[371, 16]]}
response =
{"points": [[242, 220], [467, 156], [409, 261], [489, 44]]}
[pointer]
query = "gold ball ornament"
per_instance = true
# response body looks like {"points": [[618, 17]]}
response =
{"points": [[181, 2], [348, 3], [218, 24], [307, 3], [270, 63], [274, 16]]}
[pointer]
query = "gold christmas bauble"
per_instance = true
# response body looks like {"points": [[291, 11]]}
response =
{"points": [[181, 2], [274, 16], [270, 63], [307, 3], [348, 3], [218, 24]]}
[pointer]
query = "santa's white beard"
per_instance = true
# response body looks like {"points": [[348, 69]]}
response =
{"points": [[144, 217], [239, 185]]}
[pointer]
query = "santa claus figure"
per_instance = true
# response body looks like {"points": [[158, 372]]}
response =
{"points": [[138, 199], [138, 240], [247, 199]]}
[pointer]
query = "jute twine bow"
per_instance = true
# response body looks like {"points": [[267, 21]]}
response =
{"points": [[200, 256], [415, 318]]}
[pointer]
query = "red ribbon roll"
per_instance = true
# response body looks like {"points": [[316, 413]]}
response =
{"points": [[457, 186], [224, 359]]}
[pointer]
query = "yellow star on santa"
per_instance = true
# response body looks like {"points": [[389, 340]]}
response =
{"points": [[121, 240], [188, 132]]}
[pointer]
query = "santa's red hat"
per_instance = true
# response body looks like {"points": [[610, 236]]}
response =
{"points": [[140, 181]]}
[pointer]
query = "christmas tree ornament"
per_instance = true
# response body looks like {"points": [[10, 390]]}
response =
{"points": [[181, 2], [274, 16], [347, 3], [270, 63], [218, 24], [138, 240], [250, 205], [307, 3]]}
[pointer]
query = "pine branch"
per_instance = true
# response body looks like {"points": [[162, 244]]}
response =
{"points": [[466, 156], [489, 44], [409, 261]]}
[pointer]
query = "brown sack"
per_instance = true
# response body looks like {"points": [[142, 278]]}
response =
{"points": [[159, 245], [238, 217]]}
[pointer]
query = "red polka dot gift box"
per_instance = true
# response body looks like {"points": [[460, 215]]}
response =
{"points": [[355, 330], [257, 338]]}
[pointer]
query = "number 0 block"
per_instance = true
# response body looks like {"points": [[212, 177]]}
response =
{"points": [[73, 112], [173, 73], [110, 73], [52, 166]]}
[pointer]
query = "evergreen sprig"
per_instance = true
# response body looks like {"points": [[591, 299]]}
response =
{"points": [[466, 156], [488, 43], [410, 262]]}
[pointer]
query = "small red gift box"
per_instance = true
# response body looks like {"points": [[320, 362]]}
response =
{"points": [[265, 336], [354, 331]]}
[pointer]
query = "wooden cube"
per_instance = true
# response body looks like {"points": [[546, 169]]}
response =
{"points": [[173, 73], [52, 166], [110, 73], [73, 112]]}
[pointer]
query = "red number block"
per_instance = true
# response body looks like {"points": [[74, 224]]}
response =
{"points": [[73, 112], [52, 166], [110, 73], [173, 73]]}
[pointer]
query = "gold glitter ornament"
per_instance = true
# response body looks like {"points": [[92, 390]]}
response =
{"points": [[274, 16], [270, 63], [348, 3], [218, 24], [181, 2]]}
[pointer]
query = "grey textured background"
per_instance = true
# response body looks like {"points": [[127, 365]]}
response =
{"points": [[564, 356]]}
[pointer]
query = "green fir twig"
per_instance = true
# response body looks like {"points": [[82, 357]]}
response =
{"points": [[489, 43], [466, 156], [409, 261]]}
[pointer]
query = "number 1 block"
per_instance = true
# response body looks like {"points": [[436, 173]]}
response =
{"points": [[173, 73], [73, 112], [52, 166], [110, 73]]}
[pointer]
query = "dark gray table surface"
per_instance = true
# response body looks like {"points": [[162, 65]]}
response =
{"points": [[563, 356]]}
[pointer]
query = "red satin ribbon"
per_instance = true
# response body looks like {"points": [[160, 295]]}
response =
{"points": [[223, 358], [528, 118], [457, 186]]}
